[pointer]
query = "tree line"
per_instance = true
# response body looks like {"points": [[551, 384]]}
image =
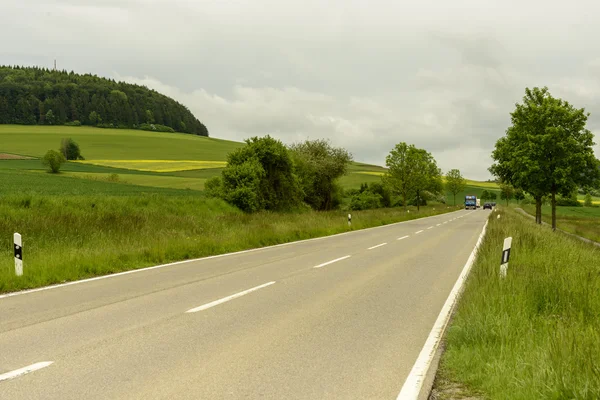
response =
{"points": [[267, 175], [547, 150], [32, 95]]}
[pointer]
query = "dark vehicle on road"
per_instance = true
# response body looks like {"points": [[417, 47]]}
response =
{"points": [[487, 205]]}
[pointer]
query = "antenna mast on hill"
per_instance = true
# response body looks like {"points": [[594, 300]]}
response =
{"points": [[55, 64]]}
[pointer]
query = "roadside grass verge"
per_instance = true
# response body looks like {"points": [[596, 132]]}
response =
{"points": [[581, 221], [74, 237], [535, 334]]}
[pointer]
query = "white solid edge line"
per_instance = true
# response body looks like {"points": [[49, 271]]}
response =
{"points": [[332, 261], [418, 231], [25, 370], [225, 299], [414, 382], [403, 237], [133, 271], [379, 245]]}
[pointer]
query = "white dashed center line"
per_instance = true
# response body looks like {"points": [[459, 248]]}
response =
{"points": [[225, 299], [403, 237], [25, 370], [379, 245], [332, 261]]}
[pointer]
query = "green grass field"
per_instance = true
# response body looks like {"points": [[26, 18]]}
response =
{"points": [[533, 335], [114, 144]]}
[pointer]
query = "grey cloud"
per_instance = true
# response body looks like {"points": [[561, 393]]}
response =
{"points": [[441, 75]]}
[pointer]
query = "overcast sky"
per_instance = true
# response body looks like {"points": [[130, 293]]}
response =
{"points": [[443, 75]]}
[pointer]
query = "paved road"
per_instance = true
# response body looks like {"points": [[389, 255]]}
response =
{"points": [[350, 329]]}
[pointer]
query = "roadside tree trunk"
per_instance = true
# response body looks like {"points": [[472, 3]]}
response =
{"points": [[454, 198], [538, 210], [404, 201], [554, 211]]}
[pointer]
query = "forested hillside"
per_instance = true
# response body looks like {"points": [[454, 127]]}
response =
{"points": [[41, 96]]}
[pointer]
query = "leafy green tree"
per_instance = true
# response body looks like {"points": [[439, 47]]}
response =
{"points": [[260, 176], [400, 174], [519, 195], [455, 183], [94, 118], [70, 150], [365, 201], [428, 177], [380, 189], [485, 195], [588, 200], [507, 192], [411, 171], [319, 165], [53, 160], [50, 119], [493, 196], [150, 117], [547, 150]]}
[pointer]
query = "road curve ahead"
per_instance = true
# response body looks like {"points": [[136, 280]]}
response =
{"points": [[343, 317]]}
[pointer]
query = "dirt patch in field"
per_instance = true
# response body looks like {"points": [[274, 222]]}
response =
{"points": [[6, 156]]}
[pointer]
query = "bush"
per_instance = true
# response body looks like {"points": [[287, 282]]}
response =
{"points": [[260, 176], [74, 123], [53, 161], [318, 165], [113, 178], [214, 187], [365, 201], [588, 200], [70, 150], [156, 128], [569, 201], [383, 191]]}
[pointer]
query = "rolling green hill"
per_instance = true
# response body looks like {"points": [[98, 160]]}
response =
{"points": [[142, 158], [39, 96]]}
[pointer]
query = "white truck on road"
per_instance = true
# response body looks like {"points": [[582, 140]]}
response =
{"points": [[478, 203]]}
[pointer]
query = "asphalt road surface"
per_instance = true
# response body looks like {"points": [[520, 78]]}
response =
{"points": [[342, 317]]}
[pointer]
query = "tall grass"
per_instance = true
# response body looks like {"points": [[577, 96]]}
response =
{"points": [[535, 334], [67, 238]]}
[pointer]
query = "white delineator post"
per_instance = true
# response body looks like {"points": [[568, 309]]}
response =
{"points": [[18, 255], [349, 220], [505, 256]]}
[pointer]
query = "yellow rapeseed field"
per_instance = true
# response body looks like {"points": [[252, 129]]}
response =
{"points": [[158, 165]]}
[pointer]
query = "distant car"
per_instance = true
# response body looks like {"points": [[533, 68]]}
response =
{"points": [[487, 205], [493, 204]]}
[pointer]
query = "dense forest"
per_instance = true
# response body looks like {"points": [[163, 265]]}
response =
{"points": [[45, 97]]}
